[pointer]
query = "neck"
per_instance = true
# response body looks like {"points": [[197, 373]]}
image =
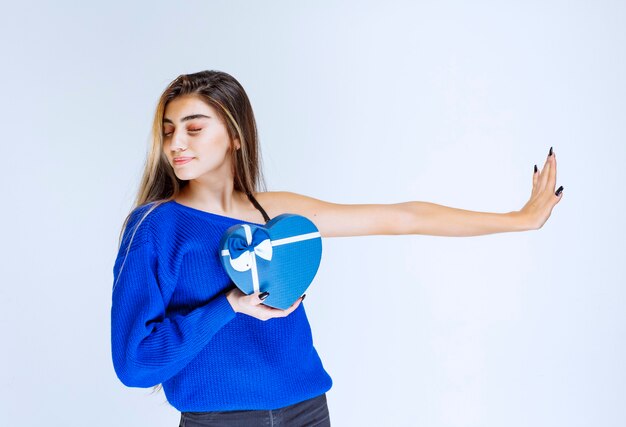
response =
{"points": [[215, 195]]}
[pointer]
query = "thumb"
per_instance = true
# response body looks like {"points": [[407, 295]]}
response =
{"points": [[257, 298]]}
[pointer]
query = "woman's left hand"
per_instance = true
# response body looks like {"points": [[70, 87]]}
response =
{"points": [[543, 197]]}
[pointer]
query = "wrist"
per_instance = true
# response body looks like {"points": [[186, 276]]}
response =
{"points": [[521, 221], [232, 300]]}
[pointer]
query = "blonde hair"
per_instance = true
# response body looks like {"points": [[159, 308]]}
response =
{"points": [[224, 93]]}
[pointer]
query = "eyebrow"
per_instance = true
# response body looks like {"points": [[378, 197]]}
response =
{"points": [[187, 118]]}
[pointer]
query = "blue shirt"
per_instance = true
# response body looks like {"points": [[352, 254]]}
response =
{"points": [[171, 323]]}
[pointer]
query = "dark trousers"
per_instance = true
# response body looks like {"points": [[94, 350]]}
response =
{"points": [[309, 413]]}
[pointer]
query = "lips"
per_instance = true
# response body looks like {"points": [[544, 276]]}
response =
{"points": [[182, 160]]}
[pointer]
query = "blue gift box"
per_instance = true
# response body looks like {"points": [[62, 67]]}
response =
{"points": [[281, 258]]}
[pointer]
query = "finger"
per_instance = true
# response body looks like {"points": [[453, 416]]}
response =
{"points": [[559, 195], [552, 179], [535, 181], [293, 307], [543, 178], [254, 298], [296, 304]]}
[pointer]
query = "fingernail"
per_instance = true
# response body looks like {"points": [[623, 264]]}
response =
{"points": [[263, 295], [303, 297], [535, 168], [550, 152], [558, 192]]}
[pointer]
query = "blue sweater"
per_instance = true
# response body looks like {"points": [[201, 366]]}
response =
{"points": [[171, 323]]}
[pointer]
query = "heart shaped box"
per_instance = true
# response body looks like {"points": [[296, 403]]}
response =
{"points": [[281, 258]]}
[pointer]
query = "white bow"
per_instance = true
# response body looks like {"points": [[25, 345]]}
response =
{"points": [[263, 249], [247, 260]]}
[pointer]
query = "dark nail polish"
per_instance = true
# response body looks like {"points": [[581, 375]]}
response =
{"points": [[303, 296], [550, 153], [535, 168], [558, 192], [263, 295]]}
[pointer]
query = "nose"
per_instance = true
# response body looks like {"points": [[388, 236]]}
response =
{"points": [[178, 143]]}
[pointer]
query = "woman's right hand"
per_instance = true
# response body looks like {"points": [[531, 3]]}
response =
{"points": [[252, 305]]}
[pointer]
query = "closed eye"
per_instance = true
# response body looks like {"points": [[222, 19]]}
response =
{"points": [[190, 130]]}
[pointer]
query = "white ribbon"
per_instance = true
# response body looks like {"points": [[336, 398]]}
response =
{"points": [[247, 260]]}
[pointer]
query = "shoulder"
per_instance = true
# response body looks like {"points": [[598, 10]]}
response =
{"points": [[144, 222], [146, 214], [271, 197], [279, 202]]}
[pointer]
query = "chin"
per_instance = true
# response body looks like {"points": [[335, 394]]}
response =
{"points": [[185, 176]]}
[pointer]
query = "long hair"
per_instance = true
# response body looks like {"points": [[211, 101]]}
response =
{"points": [[224, 93]]}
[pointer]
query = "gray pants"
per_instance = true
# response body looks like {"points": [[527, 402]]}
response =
{"points": [[309, 413]]}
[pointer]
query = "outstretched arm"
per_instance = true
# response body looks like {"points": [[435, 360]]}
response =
{"points": [[415, 217]]}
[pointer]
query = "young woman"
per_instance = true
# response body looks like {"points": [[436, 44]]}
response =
{"points": [[223, 357]]}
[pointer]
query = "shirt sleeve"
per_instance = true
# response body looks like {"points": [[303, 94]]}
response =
{"points": [[148, 347]]}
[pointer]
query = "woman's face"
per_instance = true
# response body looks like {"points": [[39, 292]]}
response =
{"points": [[195, 140]]}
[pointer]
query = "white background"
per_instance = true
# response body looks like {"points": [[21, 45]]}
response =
{"points": [[356, 102]]}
